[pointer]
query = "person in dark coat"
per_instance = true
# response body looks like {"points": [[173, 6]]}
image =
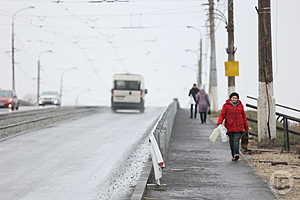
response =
{"points": [[235, 121], [193, 92], [203, 104]]}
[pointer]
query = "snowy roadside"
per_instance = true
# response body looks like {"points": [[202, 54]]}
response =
{"points": [[121, 182]]}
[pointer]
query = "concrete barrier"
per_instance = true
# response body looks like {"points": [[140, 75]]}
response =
{"points": [[162, 132]]}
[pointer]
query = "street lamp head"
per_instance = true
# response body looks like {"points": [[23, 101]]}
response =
{"points": [[196, 29], [43, 52], [22, 9]]}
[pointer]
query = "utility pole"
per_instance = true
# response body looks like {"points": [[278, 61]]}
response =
{"points": [[213, 90], [266, 101], [231, 49], [200, 66]]}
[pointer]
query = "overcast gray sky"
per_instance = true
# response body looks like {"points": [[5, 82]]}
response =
{"points": [[140, 36]]}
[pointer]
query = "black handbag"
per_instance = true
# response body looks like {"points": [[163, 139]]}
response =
{"points": [[208, 112]]}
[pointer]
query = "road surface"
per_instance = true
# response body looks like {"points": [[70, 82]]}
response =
{"points": [[72, 160]]}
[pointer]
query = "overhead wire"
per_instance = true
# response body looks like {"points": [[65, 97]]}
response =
{"points": [[169, 11], [91, 64]]}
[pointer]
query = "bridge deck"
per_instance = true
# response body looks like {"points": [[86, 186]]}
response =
{"points": [[198, 169]]}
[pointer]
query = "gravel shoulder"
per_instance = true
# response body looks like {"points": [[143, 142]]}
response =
{"points": [[284, 180]]}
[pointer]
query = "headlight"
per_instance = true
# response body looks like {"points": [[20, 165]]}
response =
{"points": [[55, 101]]}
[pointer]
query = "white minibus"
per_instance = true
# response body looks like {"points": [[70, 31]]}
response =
{"points": [[128, 92]]}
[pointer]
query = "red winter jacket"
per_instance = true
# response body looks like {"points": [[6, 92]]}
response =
{"points": [[235, 117]]}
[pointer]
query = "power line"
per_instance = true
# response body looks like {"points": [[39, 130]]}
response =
{"points": [[150, 13]]}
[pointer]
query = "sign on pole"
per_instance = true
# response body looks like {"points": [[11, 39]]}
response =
{"points": [[232, 68]]}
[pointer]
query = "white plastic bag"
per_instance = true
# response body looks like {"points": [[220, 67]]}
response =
{"points": [[214, 135], [223, 131], [191, 100]]}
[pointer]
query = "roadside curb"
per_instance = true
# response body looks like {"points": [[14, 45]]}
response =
{"points": [[141, 184], [165, 129]]}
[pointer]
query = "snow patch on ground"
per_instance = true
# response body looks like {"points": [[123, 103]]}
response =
{"points": [[123, 180]]}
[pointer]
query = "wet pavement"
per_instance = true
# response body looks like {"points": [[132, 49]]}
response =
{"points": [[198, 169]]}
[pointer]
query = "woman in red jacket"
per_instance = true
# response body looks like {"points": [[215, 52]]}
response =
{"points": [[235, 122]]}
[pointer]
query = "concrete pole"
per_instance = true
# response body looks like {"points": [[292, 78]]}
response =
{"points": [[266, 101], [231, 49], [200, 82], [213, 90]]}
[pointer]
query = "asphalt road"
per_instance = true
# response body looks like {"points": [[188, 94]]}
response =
{"points": [[72, 160]]}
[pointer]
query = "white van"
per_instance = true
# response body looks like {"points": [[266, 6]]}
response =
{"points": [[128, 92]]}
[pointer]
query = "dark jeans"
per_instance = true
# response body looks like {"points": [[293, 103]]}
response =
{"points": [[234, 141], [194, 111], [203, 117]]}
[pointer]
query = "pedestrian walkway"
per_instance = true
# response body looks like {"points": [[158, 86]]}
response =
{"points": [[197, 169]]}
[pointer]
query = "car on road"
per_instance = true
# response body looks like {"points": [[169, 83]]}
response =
{"points": [[9, 99], [49, 98]]}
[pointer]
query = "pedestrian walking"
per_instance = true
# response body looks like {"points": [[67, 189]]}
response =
{"points": [[193, 92], [235, 121], [203, 104]]}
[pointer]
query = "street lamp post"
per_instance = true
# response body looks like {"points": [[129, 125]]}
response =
{"points": [[13, 44], [39, 73], [203, 86], [200, 57], [199, 69], [62, 80]]}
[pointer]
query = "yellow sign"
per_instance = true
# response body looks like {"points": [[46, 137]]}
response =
{"points": [[232, 68]]}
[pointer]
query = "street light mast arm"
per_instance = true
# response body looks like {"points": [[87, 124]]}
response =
{"points": [[30, 7], [200, 55], [13, 44]]}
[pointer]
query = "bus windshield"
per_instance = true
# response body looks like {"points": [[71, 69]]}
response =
{"points": [[127, 85]]}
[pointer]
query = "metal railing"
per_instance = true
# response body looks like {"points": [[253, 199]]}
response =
{"points": [[13, 123], [282, 119], [164, 128], [161, 130]]}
